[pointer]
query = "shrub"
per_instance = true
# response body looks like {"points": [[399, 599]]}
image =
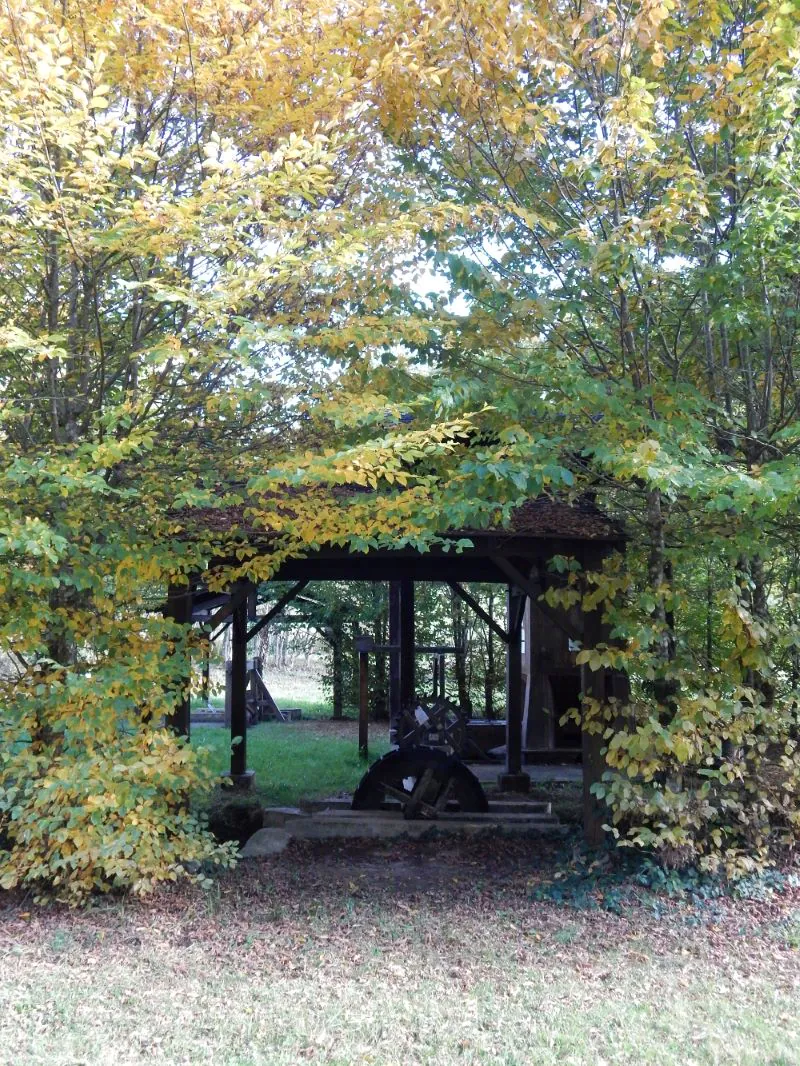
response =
{"points": [[716, 786], [91, 805]]}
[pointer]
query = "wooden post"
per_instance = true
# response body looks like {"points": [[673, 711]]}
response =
{"points": [[394, 659], [363, 705], [228, 687], [178, 608], [407, 660], [238, 697], [207, 669], [488, 678], [514, 779]]}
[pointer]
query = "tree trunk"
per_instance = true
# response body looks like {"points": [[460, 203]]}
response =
{"points": [[337, 642], [752, 582]]}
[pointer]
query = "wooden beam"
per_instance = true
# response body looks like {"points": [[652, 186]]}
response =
{"points": [[204, 603], [238, 698], [276, 609], [534, 590], [364, 567], [470, 601]]}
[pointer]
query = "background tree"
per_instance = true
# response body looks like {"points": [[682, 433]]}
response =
{"points": [[627, 256]]}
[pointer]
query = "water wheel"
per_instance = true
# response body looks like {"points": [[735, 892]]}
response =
{"points": [[423, 781], [434, 723]]}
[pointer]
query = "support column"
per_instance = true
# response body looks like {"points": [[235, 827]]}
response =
{"points": [[514, 779], [363, 704], [407, 644], [178, 609], [240, 775], [207, 669], [394, 659]]}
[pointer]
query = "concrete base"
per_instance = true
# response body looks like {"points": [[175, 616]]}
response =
{"points": [[243, 782], [514, 782]]}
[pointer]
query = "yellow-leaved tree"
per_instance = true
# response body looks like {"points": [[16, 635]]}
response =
{"points": [[201, 262]]}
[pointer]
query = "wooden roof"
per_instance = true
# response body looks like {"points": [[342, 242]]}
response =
{"points": [[542, 517], [538, 529]]}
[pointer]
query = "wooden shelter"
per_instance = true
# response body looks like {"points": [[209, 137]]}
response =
{"points": [[516, 556]]}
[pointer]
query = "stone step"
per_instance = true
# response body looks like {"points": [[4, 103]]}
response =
{"points": [[499, 806], [450, 817]]}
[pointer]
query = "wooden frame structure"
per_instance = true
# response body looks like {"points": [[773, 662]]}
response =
{"points": [[517, 558]]}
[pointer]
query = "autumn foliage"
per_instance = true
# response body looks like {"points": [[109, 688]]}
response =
{"points": [[232, 234]]}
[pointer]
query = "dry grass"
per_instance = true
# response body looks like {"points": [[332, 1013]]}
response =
{"points": [[425, 952]]}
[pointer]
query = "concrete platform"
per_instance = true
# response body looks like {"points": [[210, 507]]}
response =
{"points": [[338, 822]]}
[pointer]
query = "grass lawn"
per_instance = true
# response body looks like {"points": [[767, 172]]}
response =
{"points": [[311, 708], [297, 760], [429, 952]]}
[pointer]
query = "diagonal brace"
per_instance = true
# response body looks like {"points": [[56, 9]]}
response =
{"points": [[518, 618], [238, 594], [470, 601], [276, 609], [534, 590]]}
